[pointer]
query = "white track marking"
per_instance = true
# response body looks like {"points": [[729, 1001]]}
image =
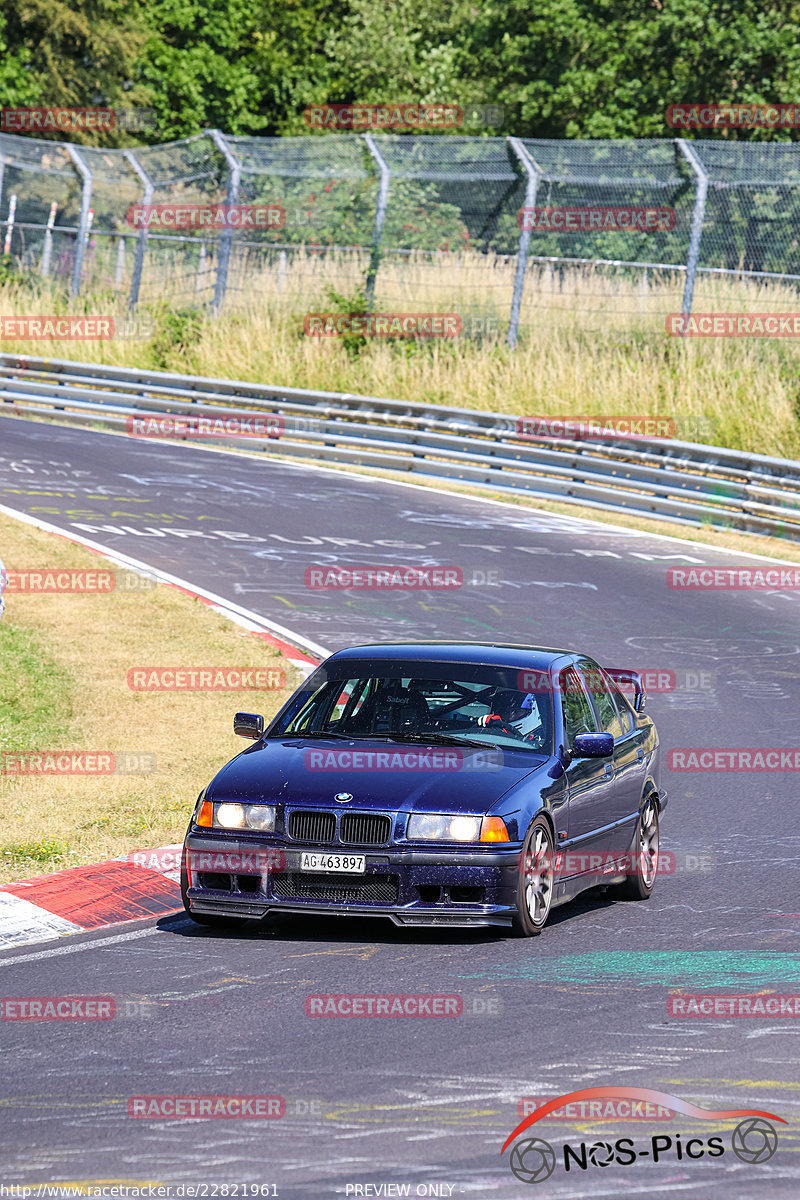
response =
{"points": [[75, 947], [21, 922]]}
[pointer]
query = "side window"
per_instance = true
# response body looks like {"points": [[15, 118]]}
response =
{"points": [[578, 715], [623, 705], [600, 689]]}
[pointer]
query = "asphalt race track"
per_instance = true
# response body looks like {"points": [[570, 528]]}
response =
{"points": [[428, 1103]]}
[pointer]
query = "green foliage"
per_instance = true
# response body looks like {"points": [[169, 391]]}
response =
{"points": [[177, 332], [559, 68], [9, 270], [72, 54], [50, 850], [355, 304], [609, 69]]}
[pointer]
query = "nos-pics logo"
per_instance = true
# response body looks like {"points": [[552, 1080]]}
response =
{"points": [[532, 1159]]}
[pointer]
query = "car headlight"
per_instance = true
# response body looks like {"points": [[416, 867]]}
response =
{"points": [[443, 827], [260, 817]]}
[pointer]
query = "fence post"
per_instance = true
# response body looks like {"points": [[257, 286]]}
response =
{"points": [[531, 187], [380, 218], [47, 249], [141, 242], [226, 237], [83, 224], [119, 267], [12, 209], [697, 221], [199, 279]]}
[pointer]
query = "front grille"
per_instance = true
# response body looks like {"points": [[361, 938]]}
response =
{"points": [[309, 825], [365, 889], [364, 829]]}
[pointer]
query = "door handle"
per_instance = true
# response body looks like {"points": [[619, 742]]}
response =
{"points": [[639, 754], [609, 769]]}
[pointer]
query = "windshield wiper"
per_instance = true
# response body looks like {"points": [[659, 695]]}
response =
{"points": [[433, 739], [317, 733]]}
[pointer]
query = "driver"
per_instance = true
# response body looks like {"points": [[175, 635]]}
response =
{"points": [[512, 713]]}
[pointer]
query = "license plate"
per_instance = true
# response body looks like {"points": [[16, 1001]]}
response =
{"points": [[336, 864]]}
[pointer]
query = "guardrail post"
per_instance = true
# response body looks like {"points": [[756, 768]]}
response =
{"points": [[531, 187], [697, 221], [141, 242], [226, 237], [380, 218], [83, 224]]}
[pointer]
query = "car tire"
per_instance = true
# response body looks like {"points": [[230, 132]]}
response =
{"points": [[644, 867], [535, 882], [205, 918]]}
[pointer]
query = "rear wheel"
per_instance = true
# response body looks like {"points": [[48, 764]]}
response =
{"points": [[535, 883], [641, 880], [205, 918]]}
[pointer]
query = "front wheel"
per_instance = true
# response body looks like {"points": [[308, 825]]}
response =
{"points": [[535, 882], [644, 866]]}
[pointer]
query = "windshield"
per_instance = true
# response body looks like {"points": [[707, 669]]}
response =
{"points": [[414, 701]]}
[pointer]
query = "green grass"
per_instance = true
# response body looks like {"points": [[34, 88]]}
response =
{"points": [[36, 694], [50, 852]]}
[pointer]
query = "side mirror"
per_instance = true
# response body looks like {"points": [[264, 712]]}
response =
{"points": [[249, 725], [593, 745]]}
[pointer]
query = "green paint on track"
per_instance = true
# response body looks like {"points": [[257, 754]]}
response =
{"points": [[718, 969]]}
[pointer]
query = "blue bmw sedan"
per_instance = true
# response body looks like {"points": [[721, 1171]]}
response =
{"points": [[434, 784]]}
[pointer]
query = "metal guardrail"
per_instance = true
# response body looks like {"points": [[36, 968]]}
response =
{"points": [[658, 478]]}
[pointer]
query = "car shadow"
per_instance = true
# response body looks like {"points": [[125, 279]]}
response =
{"points": [[294, 927]]}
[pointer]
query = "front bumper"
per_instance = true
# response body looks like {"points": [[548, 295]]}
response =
{"points": [[407, 886]]}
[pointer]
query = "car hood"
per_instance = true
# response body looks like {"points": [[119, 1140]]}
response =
{"points": [[310, 771]]}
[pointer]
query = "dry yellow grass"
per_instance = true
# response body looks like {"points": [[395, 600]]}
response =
{"points": [[591, 344], [64, 661]]}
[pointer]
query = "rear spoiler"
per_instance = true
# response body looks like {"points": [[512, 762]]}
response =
{"points": [[629, 682]]}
